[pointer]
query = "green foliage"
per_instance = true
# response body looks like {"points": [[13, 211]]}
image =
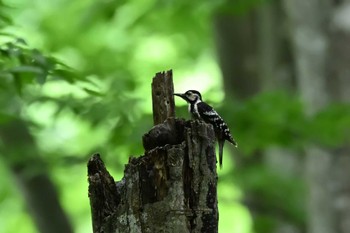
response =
{"points": [[268, 119], [330, 127], [5, 19], [278, 119], [21, 66], [87, 89], [269, 189], [105, 106]]}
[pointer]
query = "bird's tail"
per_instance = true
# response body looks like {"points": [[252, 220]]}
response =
{"points": [[230, 139], [221, 148]]}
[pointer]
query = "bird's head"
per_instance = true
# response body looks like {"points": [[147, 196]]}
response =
{"points": [[191, 96]]}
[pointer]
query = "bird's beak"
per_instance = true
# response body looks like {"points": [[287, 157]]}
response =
{"points": [[180, 95]]}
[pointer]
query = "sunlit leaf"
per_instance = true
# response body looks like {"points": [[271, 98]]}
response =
{"points": [[93, 93], [66, 75]]}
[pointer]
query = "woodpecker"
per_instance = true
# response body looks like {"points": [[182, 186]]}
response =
{"points": [[203, 111]]}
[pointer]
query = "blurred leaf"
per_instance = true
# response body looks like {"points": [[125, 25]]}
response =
{"points": [[273, 118], [41, 78], [5, 118], [93, 93], [21, 41], [5, 20], [331, 126], [6, 34], [26, 69], [66, 75]]}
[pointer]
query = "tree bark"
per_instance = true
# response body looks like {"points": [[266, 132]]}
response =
{"points": [[171, 188], [162, 97]]}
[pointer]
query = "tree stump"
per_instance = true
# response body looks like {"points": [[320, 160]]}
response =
{"points": [[171, 188]]}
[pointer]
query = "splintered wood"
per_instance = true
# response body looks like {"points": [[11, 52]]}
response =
{"points": [[162, 97], [171, 188]]}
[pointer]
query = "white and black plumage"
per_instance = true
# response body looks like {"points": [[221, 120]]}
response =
{"points": [[202, 111]]}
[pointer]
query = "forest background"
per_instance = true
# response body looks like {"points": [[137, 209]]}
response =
{"points": [[75, 79]]}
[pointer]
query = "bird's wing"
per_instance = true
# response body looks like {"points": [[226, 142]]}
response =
{"points": [[209, 115]]}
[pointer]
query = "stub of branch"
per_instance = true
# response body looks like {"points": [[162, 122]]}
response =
{"points": [[162, 97], [102, 192]]}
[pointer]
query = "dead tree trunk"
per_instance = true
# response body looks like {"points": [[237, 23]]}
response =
{"points": [[171, 188]]}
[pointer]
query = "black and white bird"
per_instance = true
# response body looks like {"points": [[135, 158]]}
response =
{"points": [[202, 111]]}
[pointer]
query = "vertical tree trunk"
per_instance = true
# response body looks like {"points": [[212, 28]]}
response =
{"points": [[254, 57], [320, 35], [32, 178], [172, 188], [236, 48]]}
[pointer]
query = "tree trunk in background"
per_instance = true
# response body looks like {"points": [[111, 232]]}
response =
{"points": [[276, 73], [32, 178], [320, 34], [236, 46], [254, 56]]}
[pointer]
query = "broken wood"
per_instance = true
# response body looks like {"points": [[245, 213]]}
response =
{"points": [[162, 97], [171, 188]]}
